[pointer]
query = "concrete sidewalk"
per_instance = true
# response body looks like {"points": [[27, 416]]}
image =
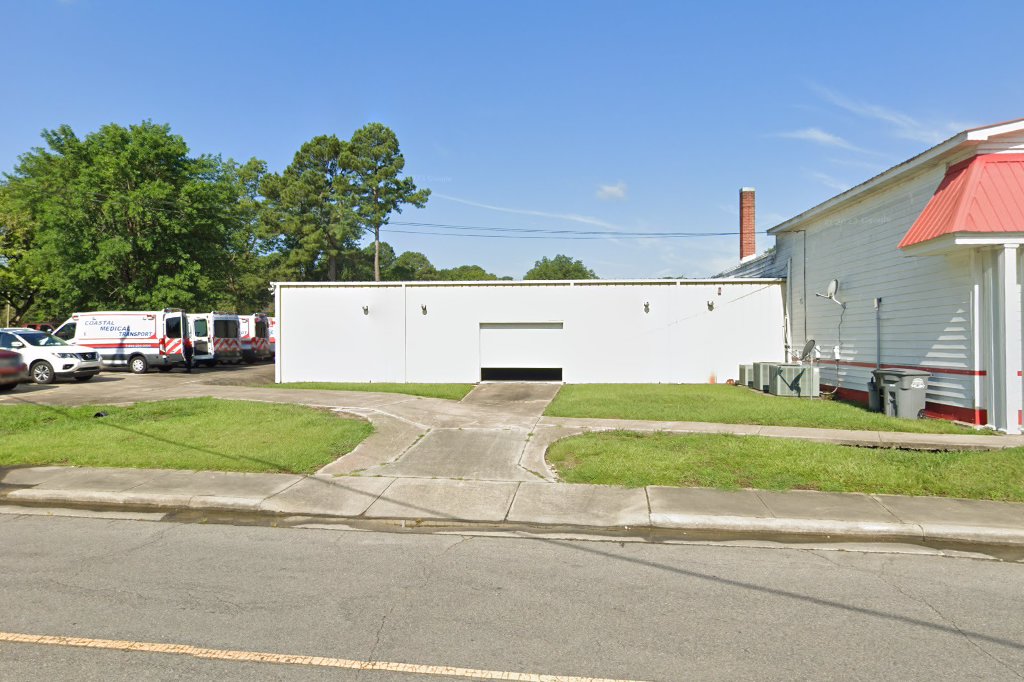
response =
{"points": [[481, 461], [535, 506]]}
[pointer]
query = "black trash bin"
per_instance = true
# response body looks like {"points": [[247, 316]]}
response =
{"points": [[902, 392], [874, 397]]}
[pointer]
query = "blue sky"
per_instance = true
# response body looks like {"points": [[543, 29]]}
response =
{"points": [[603, 116]]}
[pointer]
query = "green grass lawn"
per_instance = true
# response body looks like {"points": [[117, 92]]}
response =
{"points": [[732, 462], [726, 404], [199, 434], [446, 391]]}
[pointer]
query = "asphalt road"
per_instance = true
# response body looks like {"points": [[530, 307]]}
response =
{"points": [[633, 611]]}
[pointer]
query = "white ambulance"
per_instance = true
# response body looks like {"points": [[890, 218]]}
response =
{"points": [[216, 337], [255, 335], [136, 339], [273, 335]]}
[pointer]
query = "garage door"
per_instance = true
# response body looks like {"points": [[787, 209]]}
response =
{"points": [[521, 350]]}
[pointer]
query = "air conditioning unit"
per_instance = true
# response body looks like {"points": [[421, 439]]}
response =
{"points": [[795, 380], [762, 375], [746, 375]]}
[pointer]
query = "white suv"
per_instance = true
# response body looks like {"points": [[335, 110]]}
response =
{"points": [[49, 358]]}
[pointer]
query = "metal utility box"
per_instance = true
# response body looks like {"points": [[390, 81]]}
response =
{"points": [[902, 392], [762, 375], [746, 375], [795, 381]]}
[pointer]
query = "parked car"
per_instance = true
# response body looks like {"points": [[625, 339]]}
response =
{"points": [[12, 370], [49, 358]]}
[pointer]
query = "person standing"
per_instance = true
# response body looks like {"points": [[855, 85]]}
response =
{"points": [[189, 351]]}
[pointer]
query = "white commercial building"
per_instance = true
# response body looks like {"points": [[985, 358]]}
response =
{"points": [[659, 331], [927, 257], [928, 260]]}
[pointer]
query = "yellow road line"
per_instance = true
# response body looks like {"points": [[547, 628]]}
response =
{"points": [[287, 659]]}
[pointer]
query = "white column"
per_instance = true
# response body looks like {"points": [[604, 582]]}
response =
{"points": [[1007, 337]]}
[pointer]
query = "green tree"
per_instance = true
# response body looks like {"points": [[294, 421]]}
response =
{"points": [[21, 276], [125, 218], [249, 250], [411, 266], [466, 273], [309, 211], [560, 267], [376, 165]]}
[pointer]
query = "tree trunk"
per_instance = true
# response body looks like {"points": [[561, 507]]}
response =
{"points": [[332, 268], [14, 311], [376, 254]]}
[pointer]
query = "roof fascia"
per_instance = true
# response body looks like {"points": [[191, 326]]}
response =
{"points": [[884, 178], [982, 134], [941, 246]]}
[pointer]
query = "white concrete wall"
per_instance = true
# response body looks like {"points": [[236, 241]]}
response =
{"points": [[329, 338], [607, 335]]}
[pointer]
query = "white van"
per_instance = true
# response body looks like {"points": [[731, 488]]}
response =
{"points": [[272, 321], [136, 339], [216, 338], [255, 333]]}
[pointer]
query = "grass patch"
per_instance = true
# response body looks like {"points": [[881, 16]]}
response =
{"points": [[726, 404], [198, 434], [445, 391], [733, 462]]}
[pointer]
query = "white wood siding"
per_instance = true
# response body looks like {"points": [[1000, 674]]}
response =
{"points": [[927, 311]]}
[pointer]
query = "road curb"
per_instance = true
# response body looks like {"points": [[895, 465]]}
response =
{"points": [[660, 526]]}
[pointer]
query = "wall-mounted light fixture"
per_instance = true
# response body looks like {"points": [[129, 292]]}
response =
{"points": [[366, 310], [423, 308], [711, 305], [647, 306]]}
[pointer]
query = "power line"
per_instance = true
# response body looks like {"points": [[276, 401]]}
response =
{"points": [[544, 230], [547, 233], [570, 237], [491, 232]]}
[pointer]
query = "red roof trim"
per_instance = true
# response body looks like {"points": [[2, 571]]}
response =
{"points": [[984, 194]]}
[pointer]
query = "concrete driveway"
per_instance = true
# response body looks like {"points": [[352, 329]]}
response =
{"points": [[487, 436], [491, 447]]}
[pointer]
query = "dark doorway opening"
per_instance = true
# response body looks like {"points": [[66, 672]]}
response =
{"points": [[521, 374]]}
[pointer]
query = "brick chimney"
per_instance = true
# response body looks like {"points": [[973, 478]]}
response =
{"points": [[748, 246]]}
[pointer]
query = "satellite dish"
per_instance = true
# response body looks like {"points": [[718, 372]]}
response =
{"points": [[830, 293], [808, 349]]}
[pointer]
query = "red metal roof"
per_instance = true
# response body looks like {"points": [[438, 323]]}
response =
{"points": [[982, 194]]}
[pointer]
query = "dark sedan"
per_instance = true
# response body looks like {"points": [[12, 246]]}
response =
{"points": [[12, 370]]}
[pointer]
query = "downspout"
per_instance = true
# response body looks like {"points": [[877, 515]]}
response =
{"points": [[789, 310], [803, 254], [878, 333]]}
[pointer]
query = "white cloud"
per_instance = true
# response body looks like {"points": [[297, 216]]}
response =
{"points": [[874, 167], [830, 181], [819, 136], [902, 125], [616, 191], [571, 217]]}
